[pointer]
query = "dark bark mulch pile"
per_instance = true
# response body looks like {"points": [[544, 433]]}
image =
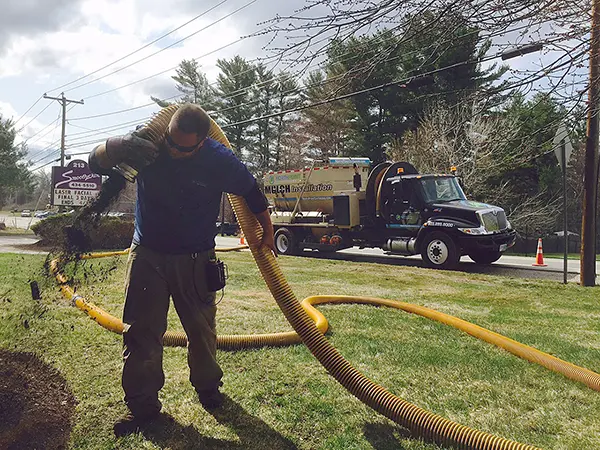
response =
{"points": [[36, 404]]}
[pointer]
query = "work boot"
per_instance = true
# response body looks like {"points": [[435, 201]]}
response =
{"points": [[210, 398], [129, 423]]}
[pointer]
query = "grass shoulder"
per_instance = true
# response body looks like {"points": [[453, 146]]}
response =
{"points": [[11, 231], [575, 256]]}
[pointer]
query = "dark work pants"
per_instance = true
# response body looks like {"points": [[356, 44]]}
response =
{"points": [[151, 279]]}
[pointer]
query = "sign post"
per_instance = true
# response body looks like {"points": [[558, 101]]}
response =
{"points": [[74, 185], [563, 149]]}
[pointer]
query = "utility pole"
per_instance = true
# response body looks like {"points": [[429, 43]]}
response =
{"points": [[590, 190], [63, 101]]}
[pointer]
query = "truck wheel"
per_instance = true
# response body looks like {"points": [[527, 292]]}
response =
{"points": [[439, 250], [285, 242], [485, 258]]}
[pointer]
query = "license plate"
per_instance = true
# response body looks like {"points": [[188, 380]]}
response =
{"points": [[503, 247]]}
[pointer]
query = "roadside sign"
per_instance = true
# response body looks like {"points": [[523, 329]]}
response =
{"points": [[74, 185], [563, 149], [562, 138]]}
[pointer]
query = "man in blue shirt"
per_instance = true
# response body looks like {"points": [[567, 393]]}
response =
{"points": [[179, 189]]}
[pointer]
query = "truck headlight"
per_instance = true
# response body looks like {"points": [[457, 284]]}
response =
{"points": [[473, 231]]}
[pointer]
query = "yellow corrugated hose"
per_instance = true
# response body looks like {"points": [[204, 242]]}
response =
{"points": [[310, 326]]}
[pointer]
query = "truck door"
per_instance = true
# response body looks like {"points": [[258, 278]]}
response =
{"points": [[405, 207]]}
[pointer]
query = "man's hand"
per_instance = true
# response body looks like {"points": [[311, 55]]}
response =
{"points": [[264, 218], [269, 240]]}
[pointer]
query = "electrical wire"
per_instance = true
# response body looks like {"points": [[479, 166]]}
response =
{"points": [[27, 139], [168, 46], [138, 50], [28, 109], [161, 72], [79, 144], [36, 116], [254, 86], [284, 112], [45, 165]]}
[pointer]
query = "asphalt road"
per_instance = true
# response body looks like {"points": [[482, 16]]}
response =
{"points": [[507, 265], [18, 222]]}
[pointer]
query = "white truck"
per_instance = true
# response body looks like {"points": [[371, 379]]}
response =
{"points": [[346, 202]]}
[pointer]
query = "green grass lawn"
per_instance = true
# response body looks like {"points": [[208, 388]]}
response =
{"points": [[282, 398], [10, 231], [552, 255]]}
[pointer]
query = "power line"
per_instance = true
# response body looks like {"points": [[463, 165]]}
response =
{"points": [[162, 72], [175, 67], [26, 140], [36, 116], [44, 165], [135, 51], [29, 109], [168, 70], [137, 121], [113, 128], [405, 81], [330, 101], [63, 102], [53, 130], [168, 46], [52, 153], [128, 124], [242, 90]]}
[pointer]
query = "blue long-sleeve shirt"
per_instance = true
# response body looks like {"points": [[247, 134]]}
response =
{"points": [[178, 200]]}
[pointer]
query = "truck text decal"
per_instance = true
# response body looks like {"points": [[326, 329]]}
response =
{"points": [[440, 224], [287, 188]]}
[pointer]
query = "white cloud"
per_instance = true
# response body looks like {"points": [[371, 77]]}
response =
{"points": [[117, 30], [106, 30], [7, 111]]}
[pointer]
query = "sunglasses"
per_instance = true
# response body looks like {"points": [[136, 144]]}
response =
{"points": [[181, 148]]}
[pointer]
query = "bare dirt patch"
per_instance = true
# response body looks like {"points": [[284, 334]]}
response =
{"points": [[36, 404]]}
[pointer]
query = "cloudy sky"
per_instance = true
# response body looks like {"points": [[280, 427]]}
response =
{"points": [[51, 46], [46, 44]]}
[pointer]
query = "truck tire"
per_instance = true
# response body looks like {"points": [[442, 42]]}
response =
{"points": [[438, 250], [285, 242], [485, 257]]}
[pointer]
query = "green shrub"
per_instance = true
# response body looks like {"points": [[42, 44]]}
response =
{"points": [[112, 232]]}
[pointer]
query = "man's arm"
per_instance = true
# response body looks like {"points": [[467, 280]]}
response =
{"points": [[264, 218], [97, 161], [130, 148], [236, 179], [258, 204]]}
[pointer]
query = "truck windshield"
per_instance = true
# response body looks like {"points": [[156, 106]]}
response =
{"points": [[441, 189]]}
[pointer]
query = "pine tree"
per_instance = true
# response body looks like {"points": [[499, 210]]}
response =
{"points": [[287, 97], [13, 171], [194, 86], [234, 100]]}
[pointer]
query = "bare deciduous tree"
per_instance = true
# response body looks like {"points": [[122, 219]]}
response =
{"points": [[476, 145]]}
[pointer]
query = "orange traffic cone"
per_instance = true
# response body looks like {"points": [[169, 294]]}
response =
{"points": [[539, 257], [242, 241]]}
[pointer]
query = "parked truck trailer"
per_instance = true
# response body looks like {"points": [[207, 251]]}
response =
{"points": [[346, 202]]}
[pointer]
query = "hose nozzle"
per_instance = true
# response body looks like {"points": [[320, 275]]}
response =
{"points": [[126, 171]]}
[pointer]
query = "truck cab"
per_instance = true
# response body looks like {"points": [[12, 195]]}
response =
{"points": [[434, 215]]}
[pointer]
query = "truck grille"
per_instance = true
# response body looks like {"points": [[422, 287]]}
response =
{"points": [[494, 220]]}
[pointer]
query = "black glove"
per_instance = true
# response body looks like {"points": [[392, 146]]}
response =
{"points": [[131, 149]]}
